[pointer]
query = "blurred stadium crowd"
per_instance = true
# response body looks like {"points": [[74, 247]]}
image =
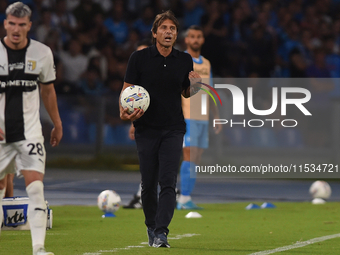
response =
{"points": [[92, 40]]}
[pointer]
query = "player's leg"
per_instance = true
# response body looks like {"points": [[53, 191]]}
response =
{"points": [[37, 211], [169, 157], [188, 178], [191, 154], [9, 185], [31, 164], [186, 183], [136, 202], [2, 194], [7, 154], [147, 141], [139, 192], [3, 185]]}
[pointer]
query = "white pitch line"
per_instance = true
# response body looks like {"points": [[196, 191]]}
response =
{"points": [[297, 245], [100, 252], [70, 184], [26, 233], [184, 235]]}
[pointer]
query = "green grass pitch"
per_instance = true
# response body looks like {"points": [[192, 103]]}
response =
{"points": [[223, 229]]}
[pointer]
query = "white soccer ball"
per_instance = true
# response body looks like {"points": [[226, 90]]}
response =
{"points": [[108, 201], [135, 97], [320, 189]]}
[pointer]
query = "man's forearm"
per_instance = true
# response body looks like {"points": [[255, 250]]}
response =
{"points": [[49, 98]]}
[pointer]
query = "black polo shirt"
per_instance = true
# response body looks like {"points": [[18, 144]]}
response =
{"points": [[164, 78]]}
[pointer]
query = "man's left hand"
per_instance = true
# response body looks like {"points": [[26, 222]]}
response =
{"points": [[195, 82], [56, 135], [195, 78]]}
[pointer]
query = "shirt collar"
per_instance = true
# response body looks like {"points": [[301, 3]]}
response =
{"points": [[155, 52], [23, 49]]}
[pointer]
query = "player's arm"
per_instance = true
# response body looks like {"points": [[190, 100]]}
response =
{"points": [[49, 98], [124, 114]]}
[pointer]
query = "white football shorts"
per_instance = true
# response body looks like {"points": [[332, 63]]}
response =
{"points": [[23, 155]]}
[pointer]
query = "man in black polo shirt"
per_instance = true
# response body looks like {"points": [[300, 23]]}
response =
{"points": [[166, 74]]}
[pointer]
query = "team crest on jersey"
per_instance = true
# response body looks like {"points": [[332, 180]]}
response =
{"points": [[31, 65]]}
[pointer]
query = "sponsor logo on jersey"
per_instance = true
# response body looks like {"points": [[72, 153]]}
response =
{"points": [[31, 65], [22, 83], [13, 66], [3, 66]]}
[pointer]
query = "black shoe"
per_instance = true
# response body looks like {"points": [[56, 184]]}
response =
{"points": [[151, 236], [135, 203], [161, 241]]}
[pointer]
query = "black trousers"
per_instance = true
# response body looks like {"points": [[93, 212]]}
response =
{"points": [[159, 153]]}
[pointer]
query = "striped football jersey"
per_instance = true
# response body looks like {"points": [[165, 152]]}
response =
{"points": [[21, 71]]}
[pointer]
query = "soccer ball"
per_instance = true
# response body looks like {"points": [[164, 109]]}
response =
{"points": [[108, 201], [320, 189], [135, 97]]}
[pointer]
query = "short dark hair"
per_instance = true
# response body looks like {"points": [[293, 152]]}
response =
{"points": [[160, 18], [19, 10], [193, 27]]}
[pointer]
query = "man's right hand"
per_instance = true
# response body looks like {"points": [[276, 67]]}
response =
{"points": [[124, 114], [2, 135]]}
